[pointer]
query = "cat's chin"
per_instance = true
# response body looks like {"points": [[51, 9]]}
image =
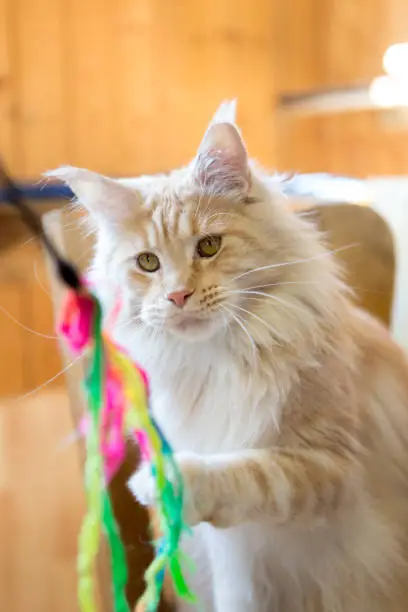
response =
{"points": [[193, 329]]}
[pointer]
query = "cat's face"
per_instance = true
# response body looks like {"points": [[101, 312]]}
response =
{"points": [[182, 259]]}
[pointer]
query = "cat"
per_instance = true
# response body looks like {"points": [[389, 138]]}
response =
{"points": [[286, 405]]}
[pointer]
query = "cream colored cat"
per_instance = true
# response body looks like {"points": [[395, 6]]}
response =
{"points": [[287, 406]]}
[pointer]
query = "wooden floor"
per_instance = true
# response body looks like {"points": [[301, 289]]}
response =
{"points": [[41, 499], [41, 506]]}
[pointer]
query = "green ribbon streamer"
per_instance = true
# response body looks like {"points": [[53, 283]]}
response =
{"points": [[118, 557], [95, 390]]}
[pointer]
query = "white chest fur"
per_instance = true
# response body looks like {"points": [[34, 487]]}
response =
{"points": [[205, 398]]}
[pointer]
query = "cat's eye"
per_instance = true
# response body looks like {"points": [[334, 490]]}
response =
{"points": [[209, 246], [149, 262]]}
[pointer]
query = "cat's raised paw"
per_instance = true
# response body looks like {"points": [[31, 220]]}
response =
{"points": [[197, 498]]}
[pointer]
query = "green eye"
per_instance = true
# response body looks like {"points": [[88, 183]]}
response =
{"points": [[209, 246], [149, 262]]}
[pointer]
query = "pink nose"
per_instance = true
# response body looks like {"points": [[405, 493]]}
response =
{"points": [[179, 298]]}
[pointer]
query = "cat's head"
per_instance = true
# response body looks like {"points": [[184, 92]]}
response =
{"points": [[195, 252]]}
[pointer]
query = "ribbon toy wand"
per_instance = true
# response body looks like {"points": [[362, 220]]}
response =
{"points": [[117, 393]]}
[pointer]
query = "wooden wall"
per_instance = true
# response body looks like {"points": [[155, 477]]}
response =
{"points": [[128, 86], [329, 43]]}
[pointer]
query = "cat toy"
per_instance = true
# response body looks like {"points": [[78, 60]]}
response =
{"points": [[117, 394]]}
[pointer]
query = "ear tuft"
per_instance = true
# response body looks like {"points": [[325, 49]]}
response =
{"points": [[65, 173], [104, 198], [226, 113]]}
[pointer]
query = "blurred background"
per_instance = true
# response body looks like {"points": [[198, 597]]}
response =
{"points": [[127, 87]]}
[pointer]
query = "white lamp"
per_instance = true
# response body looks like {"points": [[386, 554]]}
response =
{"points": [[391, 89], [388, 91], [395, 61]]}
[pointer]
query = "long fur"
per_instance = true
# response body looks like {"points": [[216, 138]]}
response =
{"points": [[287, 406]]}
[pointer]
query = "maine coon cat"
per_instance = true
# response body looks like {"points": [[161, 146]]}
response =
{"points": [[287, 406]]}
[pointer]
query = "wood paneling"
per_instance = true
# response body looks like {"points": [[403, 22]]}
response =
{"points": [[35, 39], [333, 44], [128, 87], [6, 147], [29, 352]]}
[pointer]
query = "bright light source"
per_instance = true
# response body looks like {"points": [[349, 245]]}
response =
{"points": [[395, 60], [389, 92]]}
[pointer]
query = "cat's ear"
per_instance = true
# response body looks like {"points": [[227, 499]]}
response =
{"points": [[221, 165], [104, 198], [225, 113]]}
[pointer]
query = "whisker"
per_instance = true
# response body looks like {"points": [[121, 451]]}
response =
{"points": [[219, 214], [202, 193], [272, 297], [133, 319], [69, 439], [285, 283], [296, 261], [128, 321], [72, 225], [85, 254], [267, 325], [32, 331], [198, 205], [211, 194], [50, 380], [241, 324], [25, 242], [37, 278]]}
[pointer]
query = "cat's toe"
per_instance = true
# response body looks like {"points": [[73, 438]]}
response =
{"points": [[141, 485]]}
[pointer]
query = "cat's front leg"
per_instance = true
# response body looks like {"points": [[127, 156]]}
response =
{"points": [[282, 485], [279, 484]]}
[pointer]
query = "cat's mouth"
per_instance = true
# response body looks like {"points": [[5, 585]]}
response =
{"points": [[192, 327], [189, 322]]}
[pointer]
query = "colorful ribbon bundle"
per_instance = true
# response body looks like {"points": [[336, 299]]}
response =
{"points": [[117, 393], [118, 408]]}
